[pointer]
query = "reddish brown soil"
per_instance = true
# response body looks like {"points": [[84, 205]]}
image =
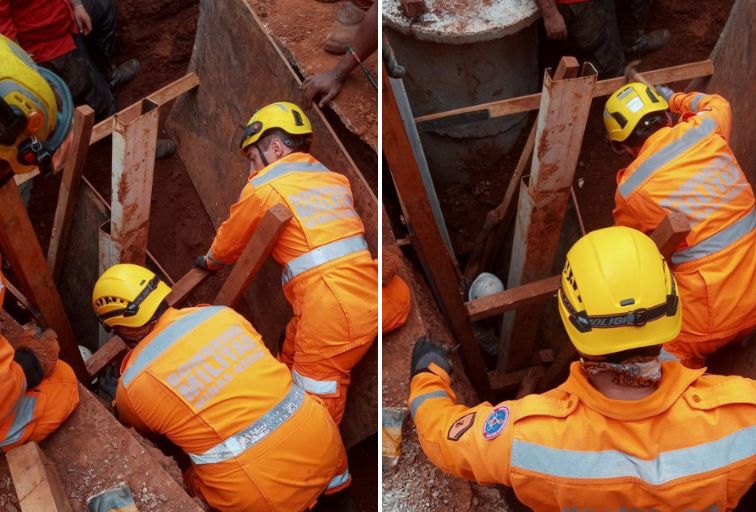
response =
{"points": [[300, 27], [465, 207]]}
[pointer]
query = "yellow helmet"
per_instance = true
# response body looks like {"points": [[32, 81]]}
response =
{"points": [[282, 115], [31, 125], [627, 106], [127, 295], [617, 293]]}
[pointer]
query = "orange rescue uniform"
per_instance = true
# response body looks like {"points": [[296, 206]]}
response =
{"points": [[204, 379], [689, 168], [396, 302], [329, 277], [32, 414], [691, 445]]}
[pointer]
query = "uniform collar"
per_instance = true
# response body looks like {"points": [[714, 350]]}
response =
{"points": [[291, 157], [675, 380]]}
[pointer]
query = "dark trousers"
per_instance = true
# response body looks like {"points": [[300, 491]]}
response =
{"points": [[86, 83], [101, 42]]}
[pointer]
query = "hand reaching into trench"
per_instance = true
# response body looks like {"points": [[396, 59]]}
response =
{"points": [[327, 83], [555, 26], [45, 347]]}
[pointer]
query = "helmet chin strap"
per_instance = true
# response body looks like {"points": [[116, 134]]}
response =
{"points": [[262, 155]]}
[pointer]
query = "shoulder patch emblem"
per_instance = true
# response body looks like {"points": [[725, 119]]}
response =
{"points": [[461, 426], [495, 422]]}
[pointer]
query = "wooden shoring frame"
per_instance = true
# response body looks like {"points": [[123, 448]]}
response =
{"points": [[543, 199], [399, 150]]}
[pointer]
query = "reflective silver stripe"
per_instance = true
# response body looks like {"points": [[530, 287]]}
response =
{"points": [[253, 434], [339, 480], [419, 400], [717, 241], [667, 356], [24, 412], [322, 255], [665, 155], [667, 466], [279, 170], [318, 387], [696, 100], [165, 339]]}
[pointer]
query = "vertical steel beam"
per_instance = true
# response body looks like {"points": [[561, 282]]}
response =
{"points": [[20, 246], [444, 274], [135, 133], [544, 195]]}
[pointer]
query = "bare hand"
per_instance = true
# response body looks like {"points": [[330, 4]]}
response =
{"points": [[45, 347], [327, 83], [555, 26], [83, 21]]}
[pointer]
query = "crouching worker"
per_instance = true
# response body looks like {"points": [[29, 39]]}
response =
{"points": [[329, 276], [624, 431], [37, 391], [203, 378]]}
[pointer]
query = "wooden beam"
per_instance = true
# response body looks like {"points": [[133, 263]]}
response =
{"points": [[543, 201], [20, 246], [490, 238], [530, 381], [134, 142], [670, 233], [532, 293], [159, 97], [37, 484], [444, 273], [254, 255], [115, 346], [503, 381], [511, 106], [69, 188]]}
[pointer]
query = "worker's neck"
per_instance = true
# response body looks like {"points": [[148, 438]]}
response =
{"points": [[604, 383]]}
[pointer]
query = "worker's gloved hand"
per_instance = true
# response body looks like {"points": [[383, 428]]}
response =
{"points": [[426, 352], [664, 91], [45, 348], [201, 262]]}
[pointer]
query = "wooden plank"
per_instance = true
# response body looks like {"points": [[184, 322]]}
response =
{"points": [[670, 233], [603, 88], [543, 202], [532, 293], [254, 255], [490, 238], [134, 143], [160, 97], [186, 285], [37, 483], [69, 187], [443, 272], [503, 381], [530, 381], [21, 248], [113, 348]]}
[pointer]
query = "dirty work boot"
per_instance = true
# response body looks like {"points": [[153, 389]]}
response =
{"points": [[123, 74], [164, 148], [348, 19], [648, 43]]}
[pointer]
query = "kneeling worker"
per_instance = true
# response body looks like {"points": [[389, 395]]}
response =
{"points": [[37, 391], [624, 431], [329, 276], [203, 378]]}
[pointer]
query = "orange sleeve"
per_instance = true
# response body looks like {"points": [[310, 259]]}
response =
{"points": [[453, 436], [235, 232], [707, 106], [12, 379], [624, 215]]}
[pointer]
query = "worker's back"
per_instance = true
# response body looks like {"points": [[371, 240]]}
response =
{"points": [[691, 169], [690, 445], [204, 379]]}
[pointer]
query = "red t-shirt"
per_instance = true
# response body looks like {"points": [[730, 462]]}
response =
{"points": [[44, 28]]}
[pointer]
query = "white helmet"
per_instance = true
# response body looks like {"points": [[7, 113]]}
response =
{"points": [[484, 285]]}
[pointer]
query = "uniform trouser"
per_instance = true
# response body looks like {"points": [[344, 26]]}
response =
{"points": [[87, 85], [286, 471], [693, 355], [396, 302], [41, 410], [632, 16], [101, 41], [594, 34]]}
